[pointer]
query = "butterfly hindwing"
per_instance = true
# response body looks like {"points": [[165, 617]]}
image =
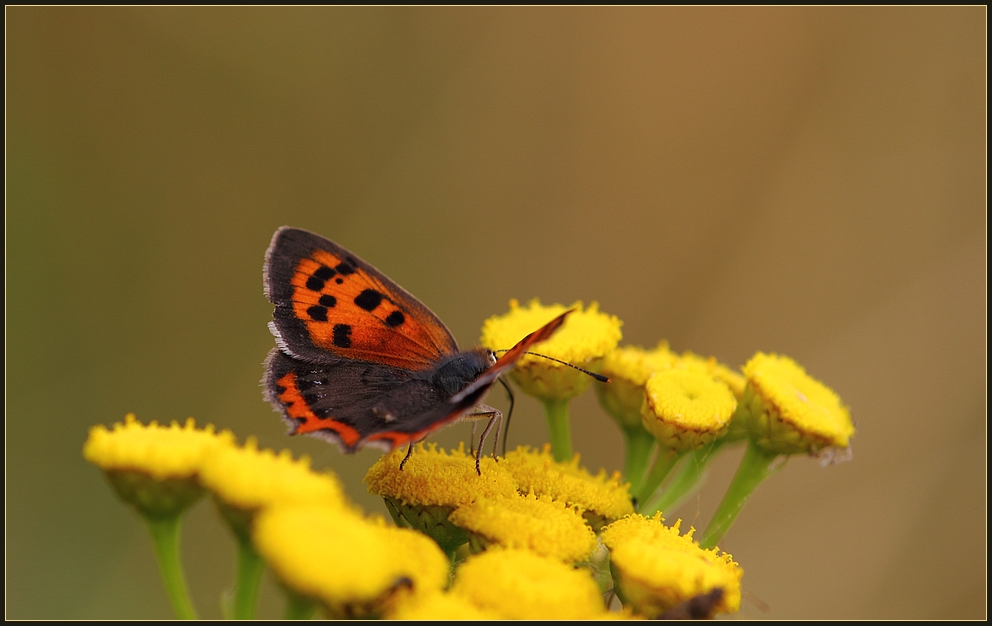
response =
{"points": [[356, 403], [331, 304]]}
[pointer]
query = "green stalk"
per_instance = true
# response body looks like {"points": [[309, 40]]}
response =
{"points": [[638, 452], [556, 411], [663, 464], [756, 465], [685, 482], [165, 537], [248, 581], [298, 607]]}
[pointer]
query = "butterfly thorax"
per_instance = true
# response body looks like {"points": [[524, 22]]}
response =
{"points": [[459, 370]]}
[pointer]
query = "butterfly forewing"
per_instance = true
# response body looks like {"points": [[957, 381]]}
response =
{"points": [[331, 303]]}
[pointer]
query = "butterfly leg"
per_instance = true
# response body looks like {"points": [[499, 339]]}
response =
{"points": [[409, 451], [495, 416], [509, 414]]}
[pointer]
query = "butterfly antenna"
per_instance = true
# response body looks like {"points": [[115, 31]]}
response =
{"points": [[599, 377]]}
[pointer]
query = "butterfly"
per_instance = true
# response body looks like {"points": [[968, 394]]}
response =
{"points": [[361, 362]]}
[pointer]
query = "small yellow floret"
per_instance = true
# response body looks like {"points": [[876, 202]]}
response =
{"points": [[160, 452], [542, 525], [790, 411], [628, 368], [583, 340], [436, 477], [439, 606], [602, 498], [355, 567], [655, 568], [686, 408], [518, 584], [734, 380], [249, 478]]}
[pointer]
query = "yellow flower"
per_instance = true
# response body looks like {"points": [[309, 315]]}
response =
{"points": [[583, 340], [519, 584], [439, 606], [601, 498], [431, 485], [629, 368], [244, 480], [354, 567], [155, 468], [540, 524], [788, 411], [734, 380], [656, 569], [686, 408]]}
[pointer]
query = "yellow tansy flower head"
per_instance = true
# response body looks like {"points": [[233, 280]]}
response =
{"points": [[542, 525], [519, 584], [734, 380], [244, 480], [155, 468], [353, 566], [431, 485], [583, 340], [601, 498], [655, 568], [686, 408], [628, 368], [440, 606], [788, 411]]}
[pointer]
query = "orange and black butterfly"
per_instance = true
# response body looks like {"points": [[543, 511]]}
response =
{"points": [[359, 361]]}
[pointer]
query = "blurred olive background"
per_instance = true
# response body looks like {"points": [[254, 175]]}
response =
{"points": [[803, 181]]}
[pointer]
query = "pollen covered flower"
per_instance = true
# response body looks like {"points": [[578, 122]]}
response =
{"points": [[656, 569], [601, 498], [431, 485], [733, 379], [583, 340], [246, 479], [534, 523], [788, 411], [629, 368], [355, 567], [155, 468], [685, 408], [519, 584], [440, 606]]}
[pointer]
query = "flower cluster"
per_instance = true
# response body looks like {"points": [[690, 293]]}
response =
{"points": [[531, 535]]}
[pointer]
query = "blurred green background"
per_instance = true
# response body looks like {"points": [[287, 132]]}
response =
{"points": [[805, 181]]}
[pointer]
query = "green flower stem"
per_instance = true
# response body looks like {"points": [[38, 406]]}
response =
{"points": [[299, 607], [249, 579], [556, 412], [756, 465], [685, 482], [165, 536], [638, 451], [663, 464]]}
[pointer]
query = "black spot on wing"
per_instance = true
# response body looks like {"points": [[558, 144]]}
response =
{"points": [[342, 335], [319, 277], [328, 301], [348, 266], [317, 313], [368, 299], [394, 319]]}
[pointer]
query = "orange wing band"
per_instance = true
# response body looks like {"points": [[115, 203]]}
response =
{"points": [[298, 409]]}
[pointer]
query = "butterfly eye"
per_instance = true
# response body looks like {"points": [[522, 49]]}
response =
{"points": [[491, 357]]}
